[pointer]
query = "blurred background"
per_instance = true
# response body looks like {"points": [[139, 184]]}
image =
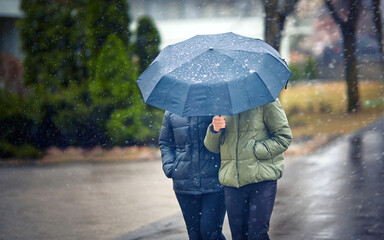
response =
{"points": [[68, 68], [68, 94]]}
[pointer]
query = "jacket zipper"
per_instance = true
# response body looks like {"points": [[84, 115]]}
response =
{"points": [[237, 149]]}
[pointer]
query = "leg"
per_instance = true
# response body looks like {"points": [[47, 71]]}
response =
{"points": [[237, 203], [262, 199], [191, 207], [212, 216]]}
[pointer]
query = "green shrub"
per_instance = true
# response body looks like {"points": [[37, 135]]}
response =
{"points": [[105, 18], [8, 150], [115, 91], [17, 127], [147, 42], [296, 73], [310, 70], [305, 71]]}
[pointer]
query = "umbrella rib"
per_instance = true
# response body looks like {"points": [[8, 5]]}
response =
{"points": [[281, 60], [230, 98], [265, 85], [185, 102]]}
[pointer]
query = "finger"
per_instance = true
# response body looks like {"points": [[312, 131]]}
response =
{"points": [[219, 119]]}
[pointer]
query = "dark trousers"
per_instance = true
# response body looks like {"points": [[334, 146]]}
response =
{"points": [[203, 214], [249, 209]]}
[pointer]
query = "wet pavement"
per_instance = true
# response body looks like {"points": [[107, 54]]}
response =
{"points": [[82, 201], [335, 193]]}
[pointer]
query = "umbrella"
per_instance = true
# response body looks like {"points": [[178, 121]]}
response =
{"points": [[217, 74]]}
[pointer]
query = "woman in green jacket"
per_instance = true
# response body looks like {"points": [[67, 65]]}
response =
{"points": [[251, 145]]}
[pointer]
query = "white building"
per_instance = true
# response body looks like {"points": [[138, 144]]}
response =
{"points": [[9, 38], [176, 20]]}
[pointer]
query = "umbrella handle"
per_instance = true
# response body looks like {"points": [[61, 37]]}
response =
{"points": [[222, 135]]}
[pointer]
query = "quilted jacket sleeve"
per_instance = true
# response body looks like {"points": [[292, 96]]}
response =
{"points": [[211, 140], [167, 145], [280, 132]]}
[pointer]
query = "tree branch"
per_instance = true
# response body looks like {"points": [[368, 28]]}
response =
{"points": [[289, 7], [332, 11]]}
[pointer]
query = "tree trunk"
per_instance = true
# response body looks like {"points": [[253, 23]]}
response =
{"points": [[272, 26], [348, 27], [350, 66], [276, 12], [379, 28]]}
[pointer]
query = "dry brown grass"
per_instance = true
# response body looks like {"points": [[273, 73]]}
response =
{"points": [[320, 108]]}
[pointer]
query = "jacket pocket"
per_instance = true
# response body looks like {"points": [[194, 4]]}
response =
{"points": [[247, 152], [175, 172], [267, 170]]}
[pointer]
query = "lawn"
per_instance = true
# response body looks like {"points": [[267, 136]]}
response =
{"points": [[319, 108]]}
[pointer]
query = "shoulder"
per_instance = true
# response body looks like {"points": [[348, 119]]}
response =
{"points": [[171, 116], [273, 104], [176, 120], [167, 115]]}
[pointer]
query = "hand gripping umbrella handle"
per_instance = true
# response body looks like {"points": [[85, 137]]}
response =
{"points": [[222, 135]]}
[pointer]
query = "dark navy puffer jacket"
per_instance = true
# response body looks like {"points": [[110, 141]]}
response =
{"points": [[192, 167]]}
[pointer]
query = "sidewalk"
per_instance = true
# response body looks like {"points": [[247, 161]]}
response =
{"points": [[335, 193]]}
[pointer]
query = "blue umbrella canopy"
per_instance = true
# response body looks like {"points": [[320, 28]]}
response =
{"points": [[218, 74]]}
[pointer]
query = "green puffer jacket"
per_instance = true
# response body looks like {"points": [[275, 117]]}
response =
{"points": [[251, 145]]}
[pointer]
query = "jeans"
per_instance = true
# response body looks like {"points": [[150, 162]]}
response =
{"points": [[203, 214], [249, 209]]}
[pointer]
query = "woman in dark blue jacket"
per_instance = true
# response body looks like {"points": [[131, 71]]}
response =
{"points": [[194, 171]]}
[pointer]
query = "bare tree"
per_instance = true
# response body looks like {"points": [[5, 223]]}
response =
{"points": [[347, 18], [379, 29], [276, 12]]}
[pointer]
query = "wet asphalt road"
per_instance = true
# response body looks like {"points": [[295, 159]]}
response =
{"points": [[335, 193], [82, 201]]}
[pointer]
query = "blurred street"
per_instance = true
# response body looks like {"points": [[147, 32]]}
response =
{"points": [[335, 193], [82, 201]]}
